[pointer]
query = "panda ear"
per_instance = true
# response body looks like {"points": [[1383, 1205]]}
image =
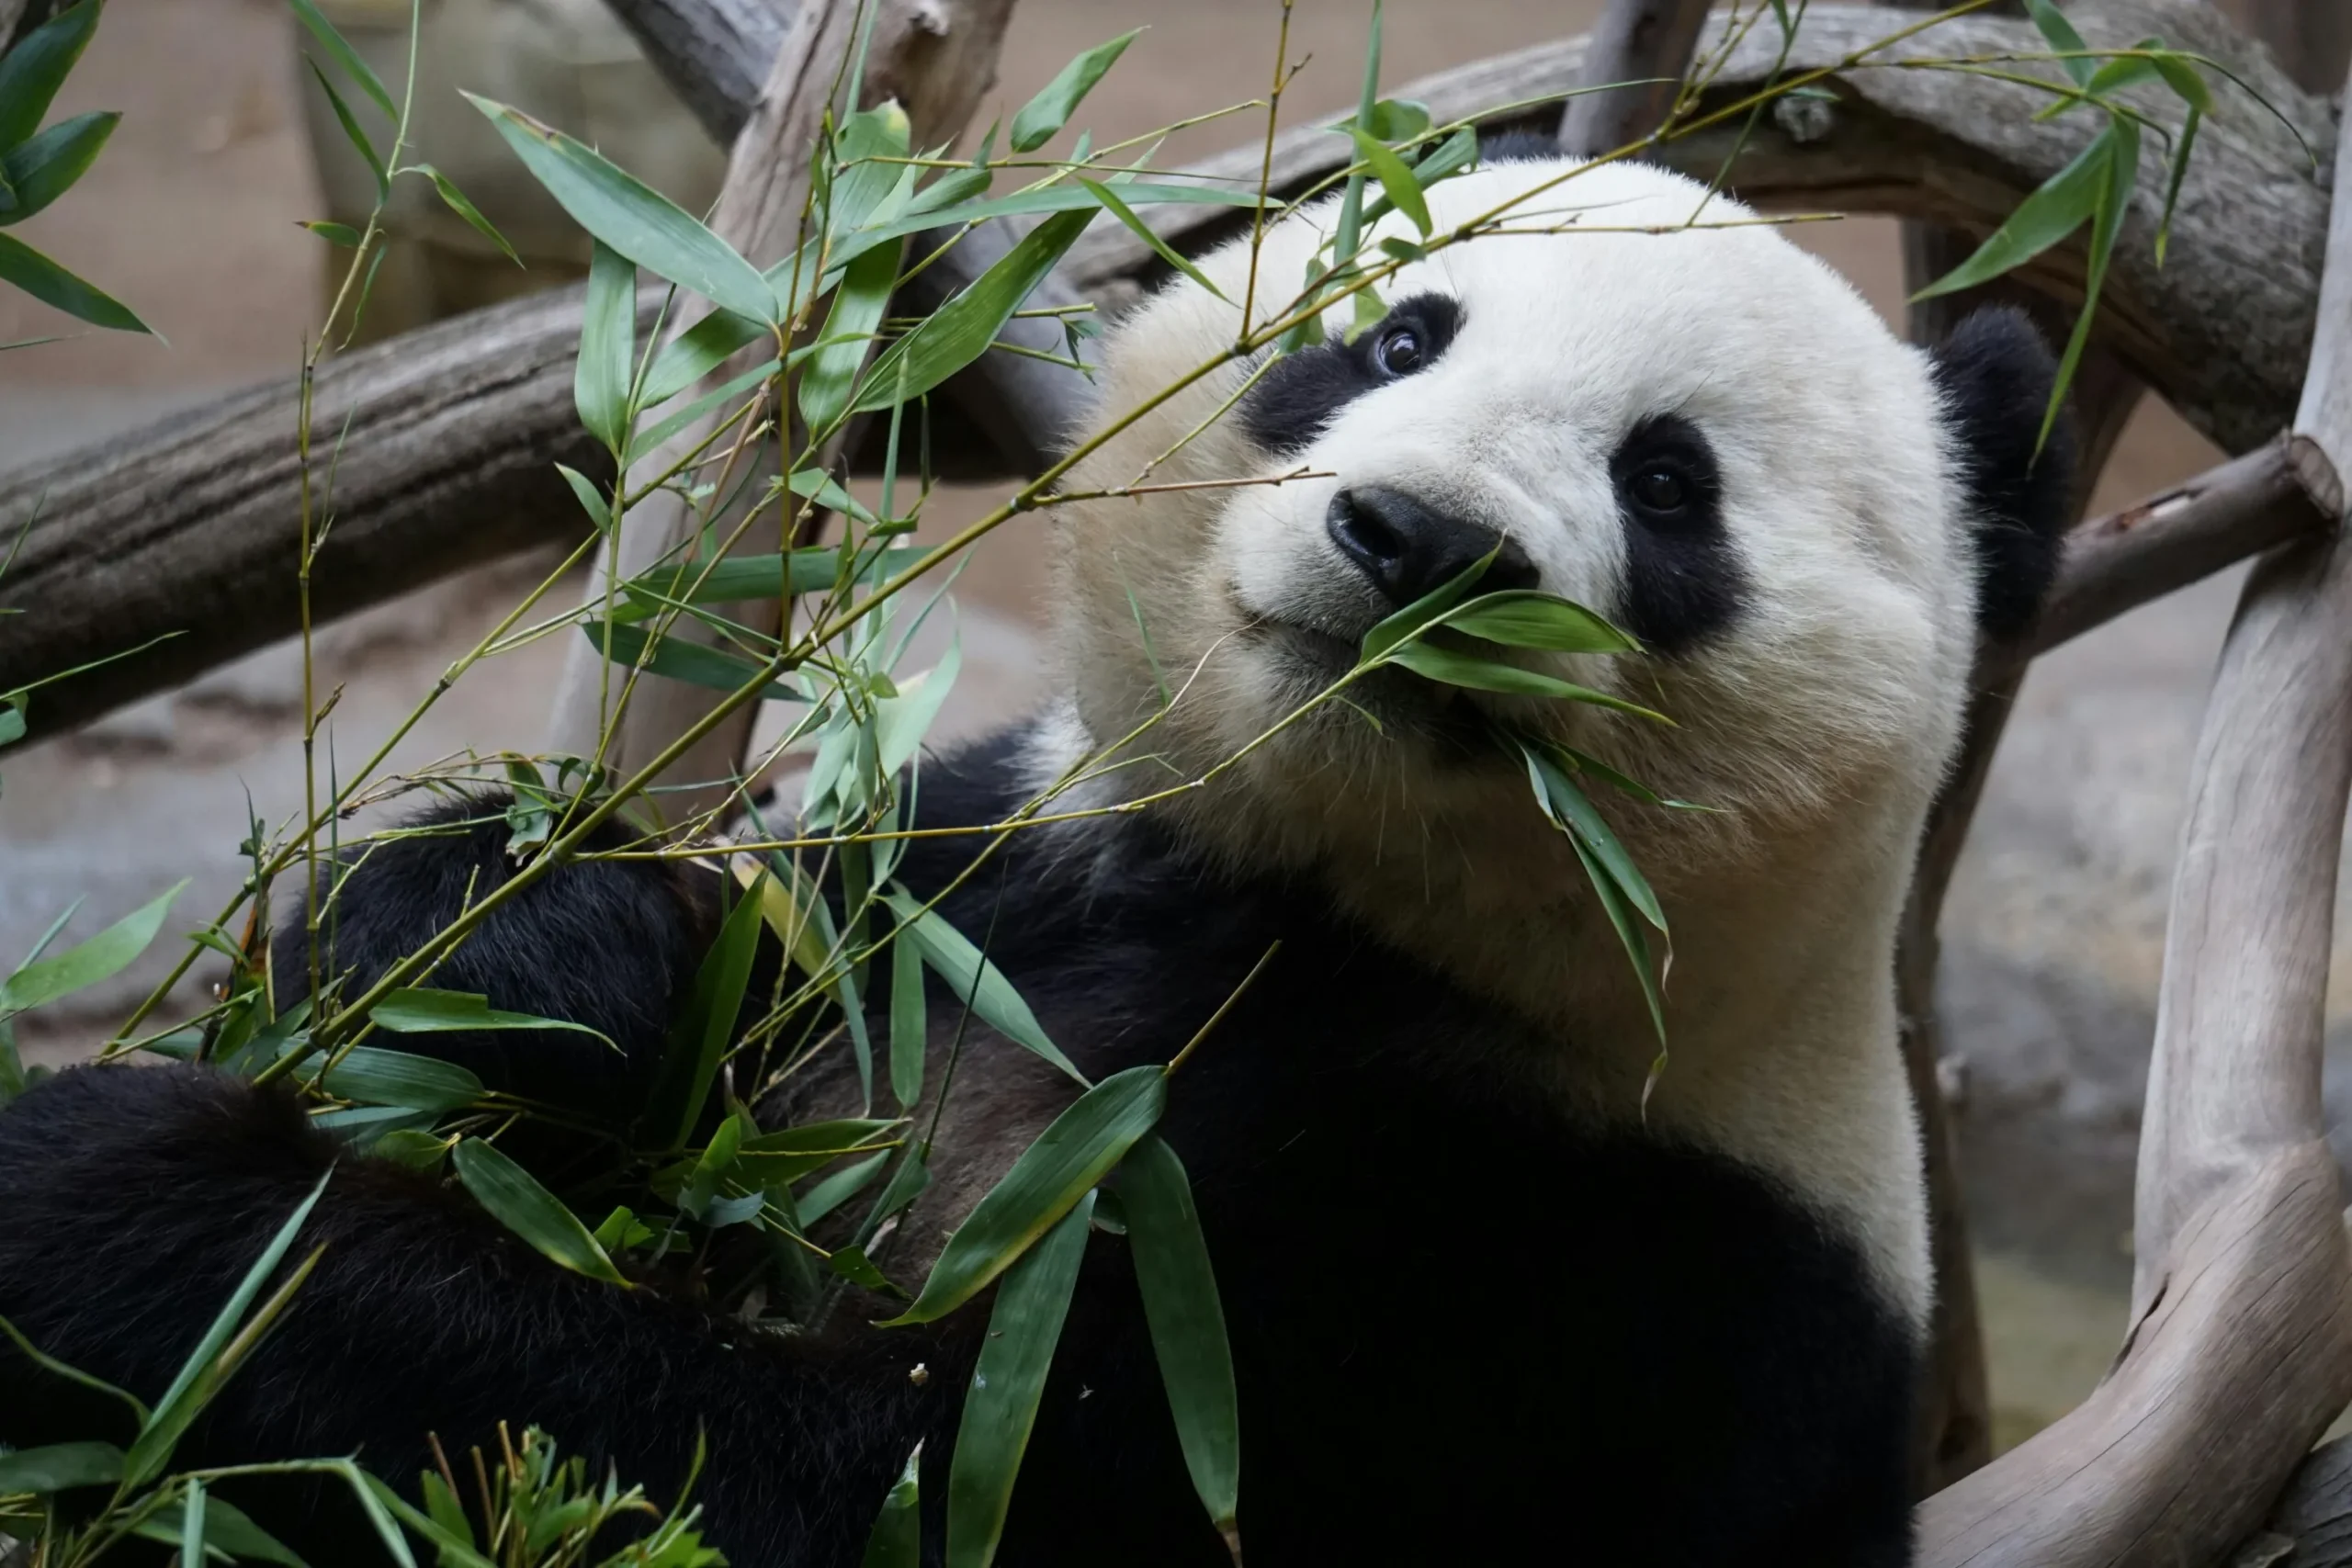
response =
{"points": [[1996, 374]]}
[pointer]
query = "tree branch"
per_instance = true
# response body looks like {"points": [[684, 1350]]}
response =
{"points": [[1640, 51]]}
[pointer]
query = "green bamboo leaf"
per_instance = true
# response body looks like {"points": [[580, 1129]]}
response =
{"points": [[699, 1039], [516, 1200], [1149, 236], [31, 72], [1417, 615], [53, 286], [632, 217], [697, 352], [2181, 75], [191, 1530], [969, 974], [58, 1466], [1187, 1322], [852, 1264], [1454, 669], [859, 305], [900, 722], [207, 1366], [950, 187], [1393, 121], [2129, 71], [909, 1023], [372, 1076], [2064, 38], [592, 500], [2053, 211], [1007, 1384], [651, 438], [1450, 156], [2171, 186], [2115, 200], [697, 664], [87, 963], [871, 187], [42, 169], [1524, 618], [339, 235], [1572, 811], [344, 56], [823, 1197], [418, 1010], [1069, 1157], [1046, 113], [12, 720], [353, 133], [454, 1544], [897, 1539], [607, 347], [455, 200], [1629, 935], [739, 578], [226, 1531], [1395, 178], [961, 330], [416, 1149]]}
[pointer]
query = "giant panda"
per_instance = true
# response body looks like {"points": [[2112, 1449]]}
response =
{"points": [[1497, 1293]]}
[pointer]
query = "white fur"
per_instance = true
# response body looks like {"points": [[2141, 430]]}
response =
{"points": [[1818, 723]]}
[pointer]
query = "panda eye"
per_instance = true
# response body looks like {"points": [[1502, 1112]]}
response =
{"points": [[1660, 486], [1398, 350]]}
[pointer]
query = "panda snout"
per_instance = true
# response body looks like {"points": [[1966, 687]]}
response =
{"points": [[1407, 549]]}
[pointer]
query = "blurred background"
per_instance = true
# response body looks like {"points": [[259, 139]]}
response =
{"points": [[2054, 929]]}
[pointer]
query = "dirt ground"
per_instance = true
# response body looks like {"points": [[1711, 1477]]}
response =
{"points": [[2052, 931]]}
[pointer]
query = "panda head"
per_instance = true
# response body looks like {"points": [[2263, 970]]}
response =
{"points": [[1631, 394]]}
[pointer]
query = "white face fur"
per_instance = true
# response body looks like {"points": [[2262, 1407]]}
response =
{"points": [[1812, 596]]}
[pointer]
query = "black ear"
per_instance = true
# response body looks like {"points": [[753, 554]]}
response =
{"points": [[1996, 374]]}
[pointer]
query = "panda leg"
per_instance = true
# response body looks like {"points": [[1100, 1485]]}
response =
{"points": [[136, 1198]]}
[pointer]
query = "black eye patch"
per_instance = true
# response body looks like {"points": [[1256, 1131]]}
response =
{"points": [[1683, 579], [1297, 400]]}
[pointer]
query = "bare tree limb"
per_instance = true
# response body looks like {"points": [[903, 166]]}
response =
{"points": [[1640, 51], [2240, 1351], [713, 53]]}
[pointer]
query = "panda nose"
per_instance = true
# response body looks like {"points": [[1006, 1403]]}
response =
{"points": [[1406, 549]]}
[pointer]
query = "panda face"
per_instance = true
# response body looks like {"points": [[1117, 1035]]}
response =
{"points": [[1692, 427]]}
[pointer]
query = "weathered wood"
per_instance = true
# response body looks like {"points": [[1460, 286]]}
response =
{"points": [[2312, 1526], [2240, 1350], [2220, 328], [936, 59], [1640, 51], [713, 53], [191, 529], [2125, 559]]}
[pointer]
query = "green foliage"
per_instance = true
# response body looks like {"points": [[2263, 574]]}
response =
{"points": [[37, 166]]}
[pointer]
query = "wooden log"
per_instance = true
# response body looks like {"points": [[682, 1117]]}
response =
{"points": [[2240, 1348], [1640, 51], [936, 59]]}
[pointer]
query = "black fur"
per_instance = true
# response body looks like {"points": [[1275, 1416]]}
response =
{"points": [[1996, 374], [1518, 147], [1465, 1332], [1305, 392], [1683, 577]]}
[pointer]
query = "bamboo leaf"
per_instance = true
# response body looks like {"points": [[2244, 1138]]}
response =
{"points": [[902, 721], [2172, 186], [371, 1076], [2181, 75], [87, 963], [632, 217], [652, 437], [700, 1037], [339, 235], [59, 1466], [1417, 615], [897, 1539], [516, 1200], [607, 347], [1572, 810], [344, 56], [353, 133], [1394, 179], [1187, 1322], [42, 169], [31, 72], [202, 1374], [908, 1024], [592, 500], [2058, 207], [738, 577], [1007, 1384], [2122, 174], [1486, 675], [859, 304], [1077, 1150], [1522, 619], [674, 658], [823, 1197], [697, 352], [1046, 113], [418, 1010], [961, 330], [455, 200], [53, 286], [2062, 38], [970, 975], [1148, 235]]}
